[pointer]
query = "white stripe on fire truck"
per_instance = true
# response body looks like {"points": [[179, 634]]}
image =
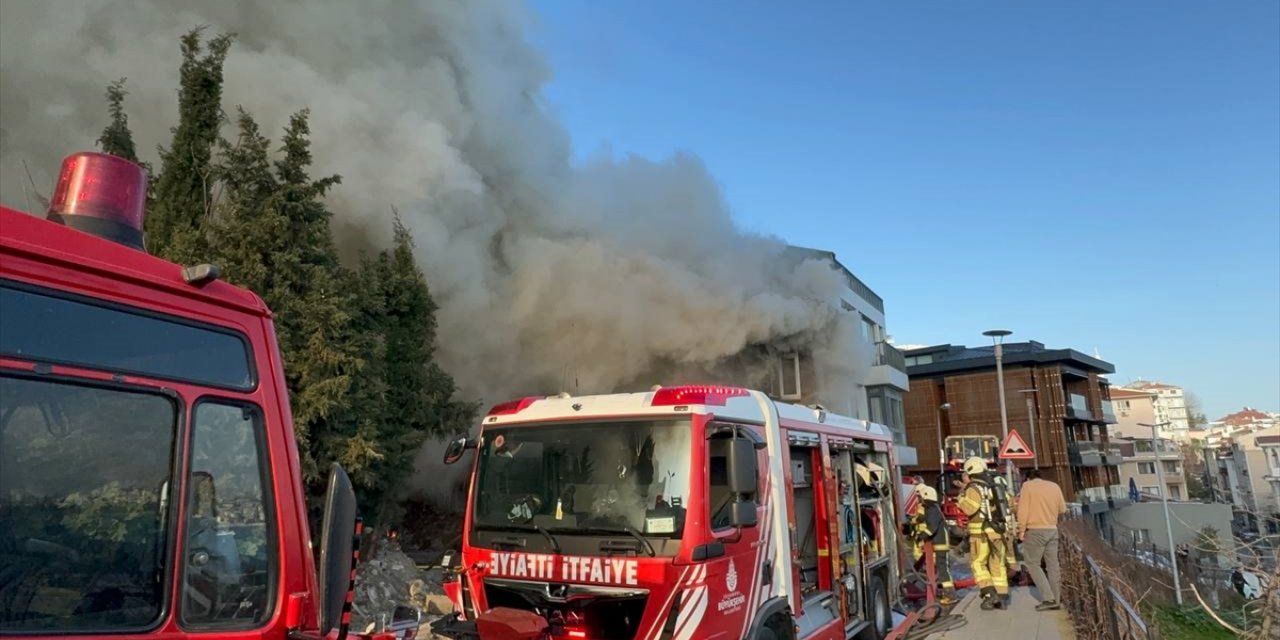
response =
{"points": [[661, 618], [691, 615]]}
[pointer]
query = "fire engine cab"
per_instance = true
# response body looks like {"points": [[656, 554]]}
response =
{"points": [[150, 485], [683, 512]]}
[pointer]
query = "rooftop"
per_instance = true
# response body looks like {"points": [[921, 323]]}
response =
{"points": [[1245, 416], [1121, 393], [799, 254], [947, 358], [1146, 384]]}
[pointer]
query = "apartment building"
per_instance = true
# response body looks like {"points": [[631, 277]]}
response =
{"points": [[1134, 408], [1057, 399], [1138, 460], [870, 390], [1246, 474], [1170, 406]]}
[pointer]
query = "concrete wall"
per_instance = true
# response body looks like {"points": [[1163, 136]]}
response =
{"points": [[1187, 519]]}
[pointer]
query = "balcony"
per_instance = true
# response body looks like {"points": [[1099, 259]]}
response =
{"points": [[1114, 455], [1093, 500], [1118, 496], [888, 368], [1085, 453], [1078, 408], [1108, 415]]}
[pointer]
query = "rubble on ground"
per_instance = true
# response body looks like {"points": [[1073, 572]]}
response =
{"points": [[390, 577]]}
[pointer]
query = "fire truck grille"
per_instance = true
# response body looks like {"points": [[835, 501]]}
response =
{"points": [[609, 613]]}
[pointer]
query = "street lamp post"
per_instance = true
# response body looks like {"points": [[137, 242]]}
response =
{"points": [[942, 451], [1164, 499], [1029, 394], [997, 338]]}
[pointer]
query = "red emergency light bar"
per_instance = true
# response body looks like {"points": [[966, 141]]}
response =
{"points": [[512, 406], [695, 394], [103, 195]]}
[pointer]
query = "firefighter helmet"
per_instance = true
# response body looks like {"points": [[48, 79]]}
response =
{"points": [[927, 492], [975, 465]]}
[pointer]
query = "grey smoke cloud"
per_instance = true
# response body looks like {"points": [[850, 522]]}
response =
{"points": [[604, 276]]}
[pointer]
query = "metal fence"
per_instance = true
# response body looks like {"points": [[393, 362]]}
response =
{"points": [[1098, 610]]}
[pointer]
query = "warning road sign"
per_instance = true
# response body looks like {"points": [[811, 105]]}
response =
{"points": [[1015, 448]]}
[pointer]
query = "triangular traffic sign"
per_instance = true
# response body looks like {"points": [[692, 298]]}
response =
{"points": [[1015, 448]]}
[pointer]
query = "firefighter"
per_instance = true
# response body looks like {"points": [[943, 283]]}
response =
{"points": [[927, 524], [987, 532]]}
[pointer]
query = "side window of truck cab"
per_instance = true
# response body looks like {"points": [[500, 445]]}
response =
{"points": [[229, 564]]}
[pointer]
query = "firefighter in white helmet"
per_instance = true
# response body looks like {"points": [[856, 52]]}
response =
{"points": [[987, 531], [928, 523]]}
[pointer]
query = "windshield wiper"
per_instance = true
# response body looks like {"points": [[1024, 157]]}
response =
{"points": [[626, 528], [521, 527]]}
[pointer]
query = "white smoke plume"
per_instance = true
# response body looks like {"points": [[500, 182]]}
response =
{"points": [[612, 275]]}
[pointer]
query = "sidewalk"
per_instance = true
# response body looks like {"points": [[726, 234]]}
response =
{"points": [[1020, 621]]}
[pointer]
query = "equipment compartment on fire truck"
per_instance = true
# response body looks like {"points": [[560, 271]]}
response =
{"points": [[679, 513]]}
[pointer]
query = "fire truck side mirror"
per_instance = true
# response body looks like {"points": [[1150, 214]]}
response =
{"points": [[743, 481], [456, 448], [337, 542], [743, 474]]}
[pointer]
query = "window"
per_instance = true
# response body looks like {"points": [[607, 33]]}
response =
{"points": [[787, 377], [1172, 467], [228, 553], [870, 330], [84, 492], [1175, 492], [61, 330], [1146, 467], [719, 499], [1155, 491]]}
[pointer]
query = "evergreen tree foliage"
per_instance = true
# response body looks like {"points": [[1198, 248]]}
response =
{"points": [[358, 344], [184, 189], [116, 139]]}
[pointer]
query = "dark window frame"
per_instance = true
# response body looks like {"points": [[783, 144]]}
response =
{"points": [[270, 516], [111, 305], [177, 464]]}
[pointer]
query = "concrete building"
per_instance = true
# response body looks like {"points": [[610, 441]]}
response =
{"points": [[1170, 406], [1244, 472], [1141, 526], [1138, 463], [1133, 408], [875, 393], [1070, 410]]}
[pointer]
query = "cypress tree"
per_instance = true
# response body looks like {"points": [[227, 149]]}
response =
{"points": [[116, 138], [184, 189]]}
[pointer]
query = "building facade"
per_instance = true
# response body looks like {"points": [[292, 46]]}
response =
{"points": [[1170, 406], [1246, 474], [1057, 399], [870, 389], [1138, 461]]}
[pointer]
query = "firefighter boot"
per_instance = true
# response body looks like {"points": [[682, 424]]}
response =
{"points": [[947, 597], [989, 598]]}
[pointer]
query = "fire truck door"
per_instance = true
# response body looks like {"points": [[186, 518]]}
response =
{"points": [[718, 606]]}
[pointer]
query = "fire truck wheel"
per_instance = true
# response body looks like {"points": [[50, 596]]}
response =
{"points": [[878, 608], [765, 633]]}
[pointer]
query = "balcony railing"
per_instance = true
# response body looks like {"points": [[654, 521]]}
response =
{"points": [[1108, 414], [1114, 455], [1118, 495], [1078, 408], [1085, 453], [1093, 499], [889, 355]]}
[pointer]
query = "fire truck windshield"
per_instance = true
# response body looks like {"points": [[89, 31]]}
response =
{"points": [[626, 478], [84, 492]]}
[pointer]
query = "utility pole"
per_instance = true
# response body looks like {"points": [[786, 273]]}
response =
{"points": [[1164, 498], [1031, 422], [942, 451], [997, 337]]}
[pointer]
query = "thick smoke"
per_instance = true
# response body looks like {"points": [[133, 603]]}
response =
{"points": [[613, 275]]}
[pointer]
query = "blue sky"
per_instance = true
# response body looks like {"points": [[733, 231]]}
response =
{"points": [[1098, 175]]}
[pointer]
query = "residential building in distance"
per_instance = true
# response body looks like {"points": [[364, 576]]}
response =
{"points": [[1063, 392], [1141, 527], [1138, 463], [1247, 475], [1134, 408], [874, 394], [1170, 406]]}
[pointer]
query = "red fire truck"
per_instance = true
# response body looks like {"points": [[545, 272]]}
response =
{"points": [[149, 477], [679, 513]]}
